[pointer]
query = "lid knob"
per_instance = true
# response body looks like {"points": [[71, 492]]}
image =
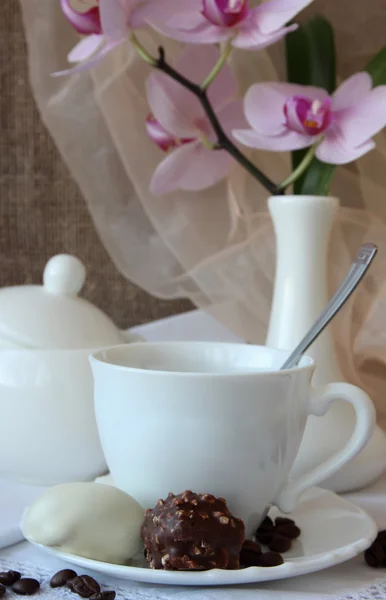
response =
{"points": [[64, 274]]}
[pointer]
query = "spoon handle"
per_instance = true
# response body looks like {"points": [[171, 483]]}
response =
{"points": [[357, 270]]}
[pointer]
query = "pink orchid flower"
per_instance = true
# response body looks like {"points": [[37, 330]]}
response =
{"points": [[85, 23], [106, 26], [288, 117], [212, 21], [178, 124]]}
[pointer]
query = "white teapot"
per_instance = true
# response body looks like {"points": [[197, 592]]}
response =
{"points": [[48, 429]]}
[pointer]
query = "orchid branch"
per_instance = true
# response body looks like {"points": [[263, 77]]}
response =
{"points": [[223, 141]]}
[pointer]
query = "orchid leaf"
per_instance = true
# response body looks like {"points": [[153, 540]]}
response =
{"points": [[377, 68], [310, 54]]}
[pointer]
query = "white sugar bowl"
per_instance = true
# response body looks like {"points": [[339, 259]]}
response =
{"points": [[48, 429]]}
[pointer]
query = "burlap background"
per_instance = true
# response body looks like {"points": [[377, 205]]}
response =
{"points": [[41, 210]]}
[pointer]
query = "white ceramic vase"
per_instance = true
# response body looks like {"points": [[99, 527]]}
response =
{"points": [[303, 227]]}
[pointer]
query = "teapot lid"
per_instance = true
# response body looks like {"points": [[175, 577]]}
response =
{"points": [[52, 316]]}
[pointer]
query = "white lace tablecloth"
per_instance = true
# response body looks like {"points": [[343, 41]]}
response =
{"points": [[353, 580]]}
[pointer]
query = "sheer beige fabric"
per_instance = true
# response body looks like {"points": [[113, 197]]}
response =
{"points": [[215, 247]]}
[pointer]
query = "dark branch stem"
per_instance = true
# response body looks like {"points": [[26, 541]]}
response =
{"points": [[223, 141]]}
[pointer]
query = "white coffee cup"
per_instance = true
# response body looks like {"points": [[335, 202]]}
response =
{"points": [[214, 418]]}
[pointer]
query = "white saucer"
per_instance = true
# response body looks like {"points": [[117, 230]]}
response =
{"points": [[333, 531]]}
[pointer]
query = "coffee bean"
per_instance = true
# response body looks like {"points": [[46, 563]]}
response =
{"points": [[9, 577], [26, 586], [266, 525], [62, 577], [375, 556], [265, 537], [84, 586], [109, 595], [271, 559], [2, 591], [250, 554], [289, 531], [284, 521], [280, 543]]}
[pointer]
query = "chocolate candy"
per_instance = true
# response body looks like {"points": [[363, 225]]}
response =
{"points": [[250, 555], [108, 595], [375, 556], [84, 585], [61, 578], [26, 586], [9, 577], [2, 591], [280, 544], [192, 532]]}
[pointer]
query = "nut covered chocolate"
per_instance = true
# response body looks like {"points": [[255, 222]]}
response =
{"points": [[192, 532]]}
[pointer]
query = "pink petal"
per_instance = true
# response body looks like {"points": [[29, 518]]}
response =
{"points": [[196, 62], [191, 167], [173, 106], [188, 19], [182, 20], [178, 14], [205, 33], [90, 62], [251, 37], [164, 139], [85, 23], [289, 140], [224, 12], [137, 16], [334, 150], [352, 91], [274, 14], [213, 12], [264, 104], [231, 116], [85, 48], [115, 17], [366, 119]]}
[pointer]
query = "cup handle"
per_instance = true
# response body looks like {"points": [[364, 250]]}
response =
{"points": [[320, 402]]}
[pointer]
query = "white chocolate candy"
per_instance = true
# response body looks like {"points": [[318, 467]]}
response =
{"points": [[93, 520]]}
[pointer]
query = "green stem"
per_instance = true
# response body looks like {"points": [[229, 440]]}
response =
{"points": [[218, 66], [141, 50], [299, 169]]}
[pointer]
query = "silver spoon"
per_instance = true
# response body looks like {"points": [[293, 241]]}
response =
{"points": [[357, 270]]}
